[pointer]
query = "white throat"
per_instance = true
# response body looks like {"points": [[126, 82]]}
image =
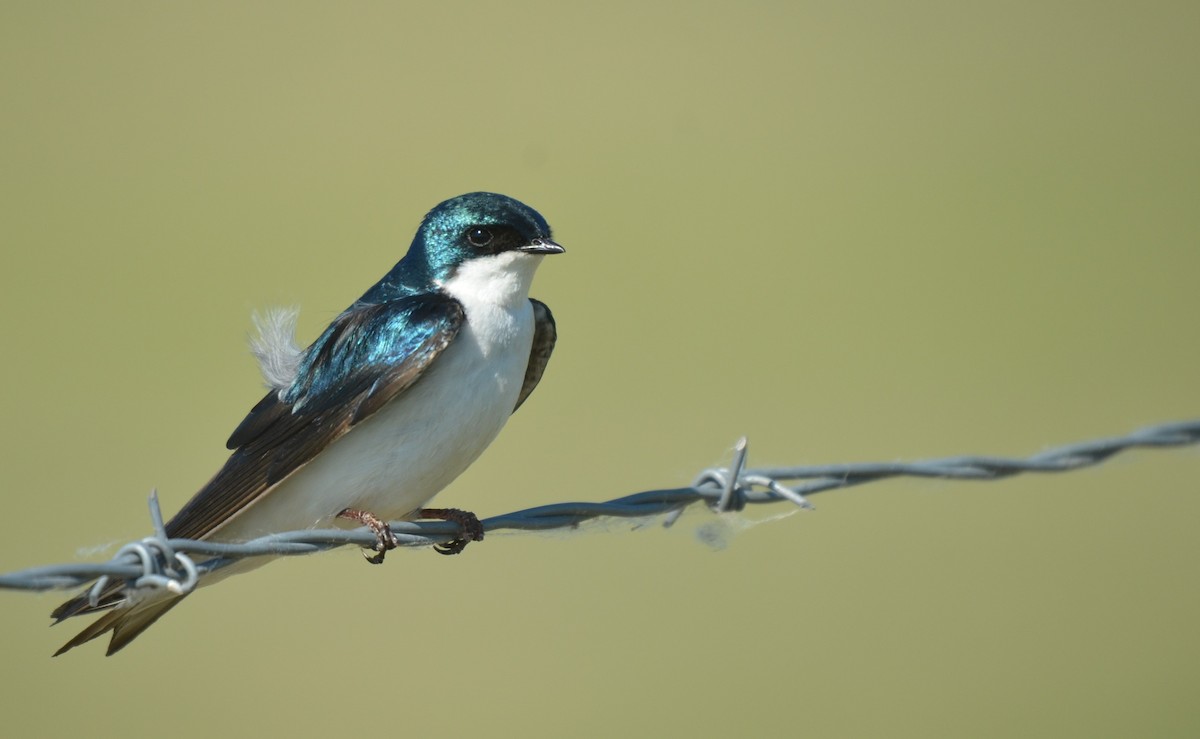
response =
{"points": [[495, 281]]}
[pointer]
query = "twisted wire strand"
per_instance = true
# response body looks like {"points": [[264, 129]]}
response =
{"points": [[159, 562]]}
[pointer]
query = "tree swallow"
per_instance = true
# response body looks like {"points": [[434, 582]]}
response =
{"points": [[399, 395]]}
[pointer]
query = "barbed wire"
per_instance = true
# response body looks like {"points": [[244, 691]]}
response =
{"points": [[159, 562]]}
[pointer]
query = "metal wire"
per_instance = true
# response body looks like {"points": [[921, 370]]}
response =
{"points": [[158, 562]]}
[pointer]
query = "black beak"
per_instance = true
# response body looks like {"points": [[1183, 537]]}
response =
{"points": [[542, 246]]}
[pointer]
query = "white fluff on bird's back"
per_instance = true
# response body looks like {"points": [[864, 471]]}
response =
{"points": [[275, 346], [394, 462]]}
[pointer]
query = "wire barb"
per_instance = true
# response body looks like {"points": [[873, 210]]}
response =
{"points": [[155, 555], [159, 562]]}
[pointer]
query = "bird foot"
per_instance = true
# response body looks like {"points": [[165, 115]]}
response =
{"points": [[385, 539], [468, 523]]}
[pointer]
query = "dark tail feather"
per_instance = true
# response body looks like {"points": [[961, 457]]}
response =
{"points": [[80, 605], [124, 623]]}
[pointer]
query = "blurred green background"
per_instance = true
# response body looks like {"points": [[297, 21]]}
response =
{"points": [[852, 231]]}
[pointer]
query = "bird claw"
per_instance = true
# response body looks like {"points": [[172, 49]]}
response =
{"points": [[385, 540], [468, 523], [377, 557]]}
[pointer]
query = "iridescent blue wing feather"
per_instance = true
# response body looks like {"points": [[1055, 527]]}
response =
{"points": [[369, 355]]}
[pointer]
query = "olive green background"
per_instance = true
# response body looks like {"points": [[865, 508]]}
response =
{"points": [[852, 231]]}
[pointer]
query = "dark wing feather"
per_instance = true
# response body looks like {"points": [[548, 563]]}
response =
{"points": [[367, 356], [544, 336]]}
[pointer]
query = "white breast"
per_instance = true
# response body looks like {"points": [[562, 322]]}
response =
{"points": [[394, 462]]}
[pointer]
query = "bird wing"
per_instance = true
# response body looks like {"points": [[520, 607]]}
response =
{"points": [[369, 355], [544, 336]]}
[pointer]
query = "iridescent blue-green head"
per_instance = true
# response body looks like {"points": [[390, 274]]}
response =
{"points": [[470, 227]]}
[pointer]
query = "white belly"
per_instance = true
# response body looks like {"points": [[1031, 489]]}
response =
{"points": [[394, 462]]}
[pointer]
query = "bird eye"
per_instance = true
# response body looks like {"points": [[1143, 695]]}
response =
{"points": [[479, 236]]}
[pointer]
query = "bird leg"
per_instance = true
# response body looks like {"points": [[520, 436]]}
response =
{"points": [[468, 523], [386, 540]]}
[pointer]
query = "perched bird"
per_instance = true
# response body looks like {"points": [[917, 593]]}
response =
{"points": [[399, 395]]}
